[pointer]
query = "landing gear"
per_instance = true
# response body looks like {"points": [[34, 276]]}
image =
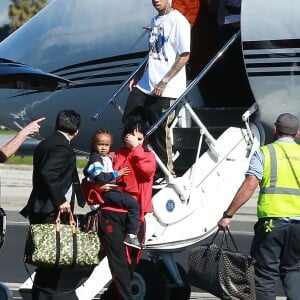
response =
{"points": [[178, 292], [5, 292], [153, 281], [149, 282], [259, 132]]}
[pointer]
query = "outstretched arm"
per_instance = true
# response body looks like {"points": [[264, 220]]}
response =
{"points": [[242, 196], [11, 147]]}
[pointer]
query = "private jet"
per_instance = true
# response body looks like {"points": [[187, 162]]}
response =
{"points": [[82, 54]]}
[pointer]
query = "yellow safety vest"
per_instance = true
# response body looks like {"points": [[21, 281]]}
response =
{"points": [[279, 194]]}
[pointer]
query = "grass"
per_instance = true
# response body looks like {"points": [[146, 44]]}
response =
{"points": [[7, 131], [20, 160], [28, 159]]}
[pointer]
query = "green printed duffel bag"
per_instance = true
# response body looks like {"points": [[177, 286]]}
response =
{"points": [[61, 245]]}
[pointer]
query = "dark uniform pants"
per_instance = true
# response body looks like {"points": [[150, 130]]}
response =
{"points": [[122, 259], [277, 254]]}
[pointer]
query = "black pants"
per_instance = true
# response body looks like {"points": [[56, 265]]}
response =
{"points": [[124, 200], [58, 284], [148, 109], [122, 259], [278, 256]]}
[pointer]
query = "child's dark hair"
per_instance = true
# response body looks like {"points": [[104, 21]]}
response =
{"points": [[94, 137]]}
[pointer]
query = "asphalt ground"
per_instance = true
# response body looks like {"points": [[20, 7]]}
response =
{"points": [[15, 184]]}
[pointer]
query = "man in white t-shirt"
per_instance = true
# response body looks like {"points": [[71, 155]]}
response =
{"points": [[164, 78]]}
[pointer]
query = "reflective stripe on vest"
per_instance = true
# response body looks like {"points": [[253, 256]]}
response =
{"points": [[279, 192]]}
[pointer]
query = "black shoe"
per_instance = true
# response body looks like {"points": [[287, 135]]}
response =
{"points": [[132, 242]]}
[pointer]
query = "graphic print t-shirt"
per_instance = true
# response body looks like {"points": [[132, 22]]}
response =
{"points": [[169, 37]]}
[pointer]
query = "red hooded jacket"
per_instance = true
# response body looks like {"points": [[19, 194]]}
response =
{"points": [[142, 165], [138, 183]]}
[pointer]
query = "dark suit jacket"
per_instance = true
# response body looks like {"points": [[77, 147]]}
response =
{"points": [[54, 171]]}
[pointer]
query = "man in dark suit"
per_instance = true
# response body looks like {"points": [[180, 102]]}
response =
{"points": [[55, 177], [55, 181]]}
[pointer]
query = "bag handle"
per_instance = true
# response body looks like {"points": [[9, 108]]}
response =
{"points": [[58, 223], [71, 221], [231, 238], [226, 233]]}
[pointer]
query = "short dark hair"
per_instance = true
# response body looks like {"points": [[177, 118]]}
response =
{"points": [[287, 123], [68, 121], [94, 138]]}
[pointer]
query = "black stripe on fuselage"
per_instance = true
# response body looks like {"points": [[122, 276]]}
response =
{"points": [[276, 73], [111, 59], [274, 64], [271, 55], [271, 44], [119, 61], [261, 59], [128, 65], [105, 68], [73, 86]]}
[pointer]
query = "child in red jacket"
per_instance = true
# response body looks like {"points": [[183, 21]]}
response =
{"points": [[99, 169]]}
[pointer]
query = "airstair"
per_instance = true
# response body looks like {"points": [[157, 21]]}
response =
{"points": [[212, 149]]}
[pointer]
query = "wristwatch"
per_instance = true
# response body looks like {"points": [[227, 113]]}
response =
{"points": [[225, 215], [164, 81]]}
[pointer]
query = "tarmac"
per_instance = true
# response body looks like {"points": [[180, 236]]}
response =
{"points": [[16, 185]]}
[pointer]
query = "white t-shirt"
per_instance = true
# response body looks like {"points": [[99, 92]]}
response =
{"points": [[170, 36]]}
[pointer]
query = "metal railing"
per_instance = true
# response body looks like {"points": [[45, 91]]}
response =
{"points": [[113, 99], [209, 139]]}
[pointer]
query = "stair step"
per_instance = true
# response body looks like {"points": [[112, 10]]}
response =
{"points": [[220, 116], [216, 120]]}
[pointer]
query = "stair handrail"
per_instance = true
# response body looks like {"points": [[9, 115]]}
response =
{"points": [[209, 138], [246, 118], [112, 99]]}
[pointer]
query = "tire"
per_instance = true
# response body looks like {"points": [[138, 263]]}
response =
{"points": [[259, 131], [149, 282], [177, 292], [5, 292]]}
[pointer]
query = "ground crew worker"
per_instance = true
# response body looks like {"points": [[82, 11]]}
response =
{"points": [[276, 243]]}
